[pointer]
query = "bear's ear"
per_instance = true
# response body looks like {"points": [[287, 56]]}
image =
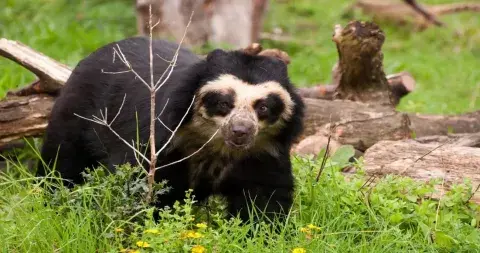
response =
{"points": [[216, 54]]}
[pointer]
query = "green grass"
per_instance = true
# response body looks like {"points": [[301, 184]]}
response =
{"points": [[394, 216], [444, 61]]}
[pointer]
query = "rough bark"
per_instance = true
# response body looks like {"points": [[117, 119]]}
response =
{"points": [[463, 140], [424, 162], [24, 116], [355, 123], [425, 125], [212, 20], [362, 125]]}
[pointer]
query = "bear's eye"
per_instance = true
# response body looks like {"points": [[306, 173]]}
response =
{"points": [[263, 109], [223, 105]]}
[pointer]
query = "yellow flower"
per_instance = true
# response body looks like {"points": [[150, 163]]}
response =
{"points": [[143, 244], [152, 231], [191, 234], [198, 249], [311, 226], [201, 225], [118, 230], [305, 230], [299, 250]]}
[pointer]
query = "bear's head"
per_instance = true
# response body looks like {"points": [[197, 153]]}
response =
{"points": [[250, 101]]}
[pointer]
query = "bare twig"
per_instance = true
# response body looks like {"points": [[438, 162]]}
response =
{"points": [[325, 156], [327, 149], [153, 87], [427, 15], [193, 153], [441, 196], [176, 129], [473, 193], [424, 155], [103, 121]]}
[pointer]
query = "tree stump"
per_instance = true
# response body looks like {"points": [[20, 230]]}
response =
{"points": [[360, 65]]}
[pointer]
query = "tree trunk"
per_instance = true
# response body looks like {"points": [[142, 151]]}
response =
{"points": [[212, 20]]}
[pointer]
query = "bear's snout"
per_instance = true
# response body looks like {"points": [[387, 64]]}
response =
{"points": [[240, 131]]}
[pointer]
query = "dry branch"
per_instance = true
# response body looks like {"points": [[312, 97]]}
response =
{"points": [[401, 13], [52, 74]]}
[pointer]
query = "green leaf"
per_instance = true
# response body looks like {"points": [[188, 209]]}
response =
{"points": [[443, 240], [411, 198], [396, 218], [343, 154], [473, 223], [425, 229], [346, 200]]}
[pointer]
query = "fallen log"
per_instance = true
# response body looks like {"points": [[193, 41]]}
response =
{"points": [[448, 162], [362, 125], [51, 74], [354, 123], [462, 140], [24, 116]]}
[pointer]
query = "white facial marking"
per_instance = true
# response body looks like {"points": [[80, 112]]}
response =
{"points": [[246, 94]]}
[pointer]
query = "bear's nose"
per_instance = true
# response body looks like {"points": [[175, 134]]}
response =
{"points": [[240, 130]]}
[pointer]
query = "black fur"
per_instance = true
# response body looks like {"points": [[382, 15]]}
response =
{"points": [[264, 178]]}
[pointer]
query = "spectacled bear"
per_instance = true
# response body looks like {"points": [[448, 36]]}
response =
{"points": [[248, 98]]}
